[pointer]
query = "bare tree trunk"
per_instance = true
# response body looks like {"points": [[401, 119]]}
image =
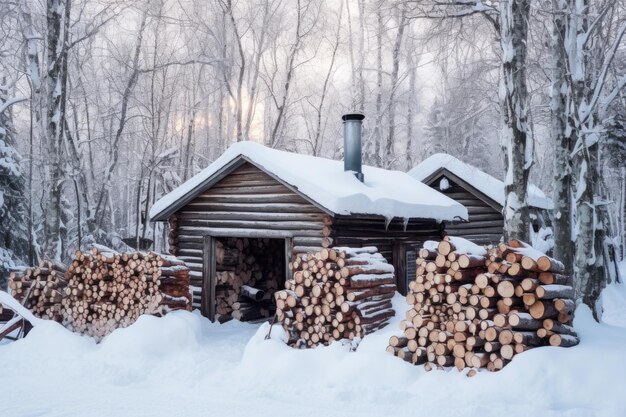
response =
{"points": [[589, 61], [353, 66], [101, 206], [622, 215], [295, 48], [412, 103], [318, 129], [589, 258], [362, 54], [561, 139], [516, 131], [188, 147], [379, 86], [33, 70], [257, 68], [227, 7], [54, 134], [583, 233], [389, 148]]}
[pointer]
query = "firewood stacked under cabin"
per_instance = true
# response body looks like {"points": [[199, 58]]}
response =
{"points": [[481, 308], [40, 289], [335, 294], [103, 290], [248, 273]]}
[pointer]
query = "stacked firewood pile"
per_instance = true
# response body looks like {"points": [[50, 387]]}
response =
{"points": [[472, 307], [248, 272], [336, 294], [40, 289], [103, 290]]}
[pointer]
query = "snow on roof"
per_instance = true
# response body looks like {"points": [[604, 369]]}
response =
{"points": [[485, 183], [385, 193]]}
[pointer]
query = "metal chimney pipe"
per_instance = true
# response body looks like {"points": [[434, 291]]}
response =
{"points": [[352, 127]]}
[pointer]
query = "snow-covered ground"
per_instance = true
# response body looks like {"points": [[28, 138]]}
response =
{"points": [[183, 365]]}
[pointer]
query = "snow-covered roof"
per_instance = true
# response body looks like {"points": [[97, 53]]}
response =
{"points": [[483, 182], [324, 181]]}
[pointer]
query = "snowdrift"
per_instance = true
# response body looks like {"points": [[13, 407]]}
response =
{"points": [[181, 364]]}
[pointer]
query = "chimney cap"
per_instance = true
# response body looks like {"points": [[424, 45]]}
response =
{"points": [[352, 116]]}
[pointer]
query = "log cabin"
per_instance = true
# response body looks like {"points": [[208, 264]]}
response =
{"points": [[304, 202], [483, 196]]}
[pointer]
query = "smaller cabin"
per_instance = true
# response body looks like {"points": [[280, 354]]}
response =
{"points": [[482, 195], [275, 205]]}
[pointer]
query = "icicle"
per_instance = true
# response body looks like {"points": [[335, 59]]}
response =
{"points": [[405, 223], [388, 221]]}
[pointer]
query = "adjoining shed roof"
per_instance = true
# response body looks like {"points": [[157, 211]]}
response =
{"points": [[483, 182], [325, 183]]}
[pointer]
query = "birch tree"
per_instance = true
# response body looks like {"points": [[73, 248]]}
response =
{"points": [[307, 13], [237, 95], [509, 20], [582, 56], [53, 125], [316, 140], [560, 137], [393, 87], [102, 213], [589, 60], [514, 105]]}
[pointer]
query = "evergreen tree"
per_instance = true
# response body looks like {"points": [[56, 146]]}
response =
{"points": [[13, 210]]}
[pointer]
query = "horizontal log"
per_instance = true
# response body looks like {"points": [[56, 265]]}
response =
{"points": [[248, 207], [543, 310], [353, 295], [370, 280], [216, 197], [552, 278], [242, 188], [486, 224], [398, 341], [554, 291], [563, 340], [252, 293], [523, 321], [470, 261], [555, 326], [565, 306], [193, 225]]}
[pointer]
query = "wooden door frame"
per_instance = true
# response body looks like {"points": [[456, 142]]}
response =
{"points": [[209, 267], [399, 263], [209, 281]]}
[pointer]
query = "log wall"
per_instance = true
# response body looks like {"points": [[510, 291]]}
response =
{"points": [[359, 231], [246, 203], [393, 240], [485, 221], [250, 203]]}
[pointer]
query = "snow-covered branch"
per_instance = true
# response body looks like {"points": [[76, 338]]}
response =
{"points": [[587, 109], [454, 9], [10, 102]]}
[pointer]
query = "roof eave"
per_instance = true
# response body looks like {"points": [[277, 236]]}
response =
{"points": [[234, 163], [165, 214]]}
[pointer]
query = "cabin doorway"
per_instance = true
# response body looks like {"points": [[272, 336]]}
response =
{"points": [[241, 275]]}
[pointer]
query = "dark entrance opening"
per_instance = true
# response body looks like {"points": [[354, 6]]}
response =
{"points": [[246, 273]]}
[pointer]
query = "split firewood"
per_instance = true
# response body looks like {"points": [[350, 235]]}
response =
{"points": [[248, 271], [102, 289], [479, 310], [338, 293]]}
